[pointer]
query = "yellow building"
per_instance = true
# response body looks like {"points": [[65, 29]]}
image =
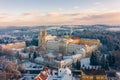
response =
{"points": [[89, 42], [97, 77], [15, 45], [67, 44], [93, 74]]}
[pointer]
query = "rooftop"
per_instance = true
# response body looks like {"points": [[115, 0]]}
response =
{"points": [[94, 72]]}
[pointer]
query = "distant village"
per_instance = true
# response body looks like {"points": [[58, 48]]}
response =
{"points": [[52, 57]]}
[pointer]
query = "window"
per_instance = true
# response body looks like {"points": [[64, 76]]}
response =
{"points": [[56, 73]]}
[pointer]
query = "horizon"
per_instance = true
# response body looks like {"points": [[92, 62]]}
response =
{"points": [[59, 12], [69, 26]]}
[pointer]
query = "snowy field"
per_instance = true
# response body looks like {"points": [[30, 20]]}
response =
{"points": [[114, 29]]}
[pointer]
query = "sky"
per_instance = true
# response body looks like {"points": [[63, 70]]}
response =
{"points": [[59, 12]]}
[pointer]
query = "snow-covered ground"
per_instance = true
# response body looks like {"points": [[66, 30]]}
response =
{"points": [[27, 78], [29, 65], [86, 63], [114, 29]]}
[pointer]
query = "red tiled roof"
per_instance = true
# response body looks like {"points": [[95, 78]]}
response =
{"points": [[41, 76]]}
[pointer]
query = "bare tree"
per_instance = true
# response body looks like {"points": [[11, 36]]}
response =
{"points": [[12, 71]]}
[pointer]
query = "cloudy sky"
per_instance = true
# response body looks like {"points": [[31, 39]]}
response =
{"points": [[59, 12]]}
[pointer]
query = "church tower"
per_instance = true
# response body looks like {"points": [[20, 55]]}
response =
{"points": [[71, 31], [42, 36]]}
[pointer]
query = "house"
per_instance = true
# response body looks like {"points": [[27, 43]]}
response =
{"points": [[93, 74]]}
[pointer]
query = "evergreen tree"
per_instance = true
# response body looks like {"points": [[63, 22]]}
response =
{"points": [[83, 66], [73, 53], [104, 63], [94, 59], [73, 65], [29, 55], [111, 60], [78, 65], [34, 55], [103, 60], [34, 42], [106, 67]]}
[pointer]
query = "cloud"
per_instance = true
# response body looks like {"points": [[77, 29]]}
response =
{"points": [[97, 3], [2, 17], [26, 14], [112, 18], [76, 7], [60, 9], [33, 19]]}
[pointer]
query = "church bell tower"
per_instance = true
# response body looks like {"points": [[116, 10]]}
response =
{"points": [[42, 38]]}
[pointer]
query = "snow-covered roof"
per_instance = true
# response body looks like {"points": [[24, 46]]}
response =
{"points": [[63, 74], [77, 56], [118, 73], [68, 71], [93, 46], [68, 61], [39, 59], [50, 55], [50, 37]]}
